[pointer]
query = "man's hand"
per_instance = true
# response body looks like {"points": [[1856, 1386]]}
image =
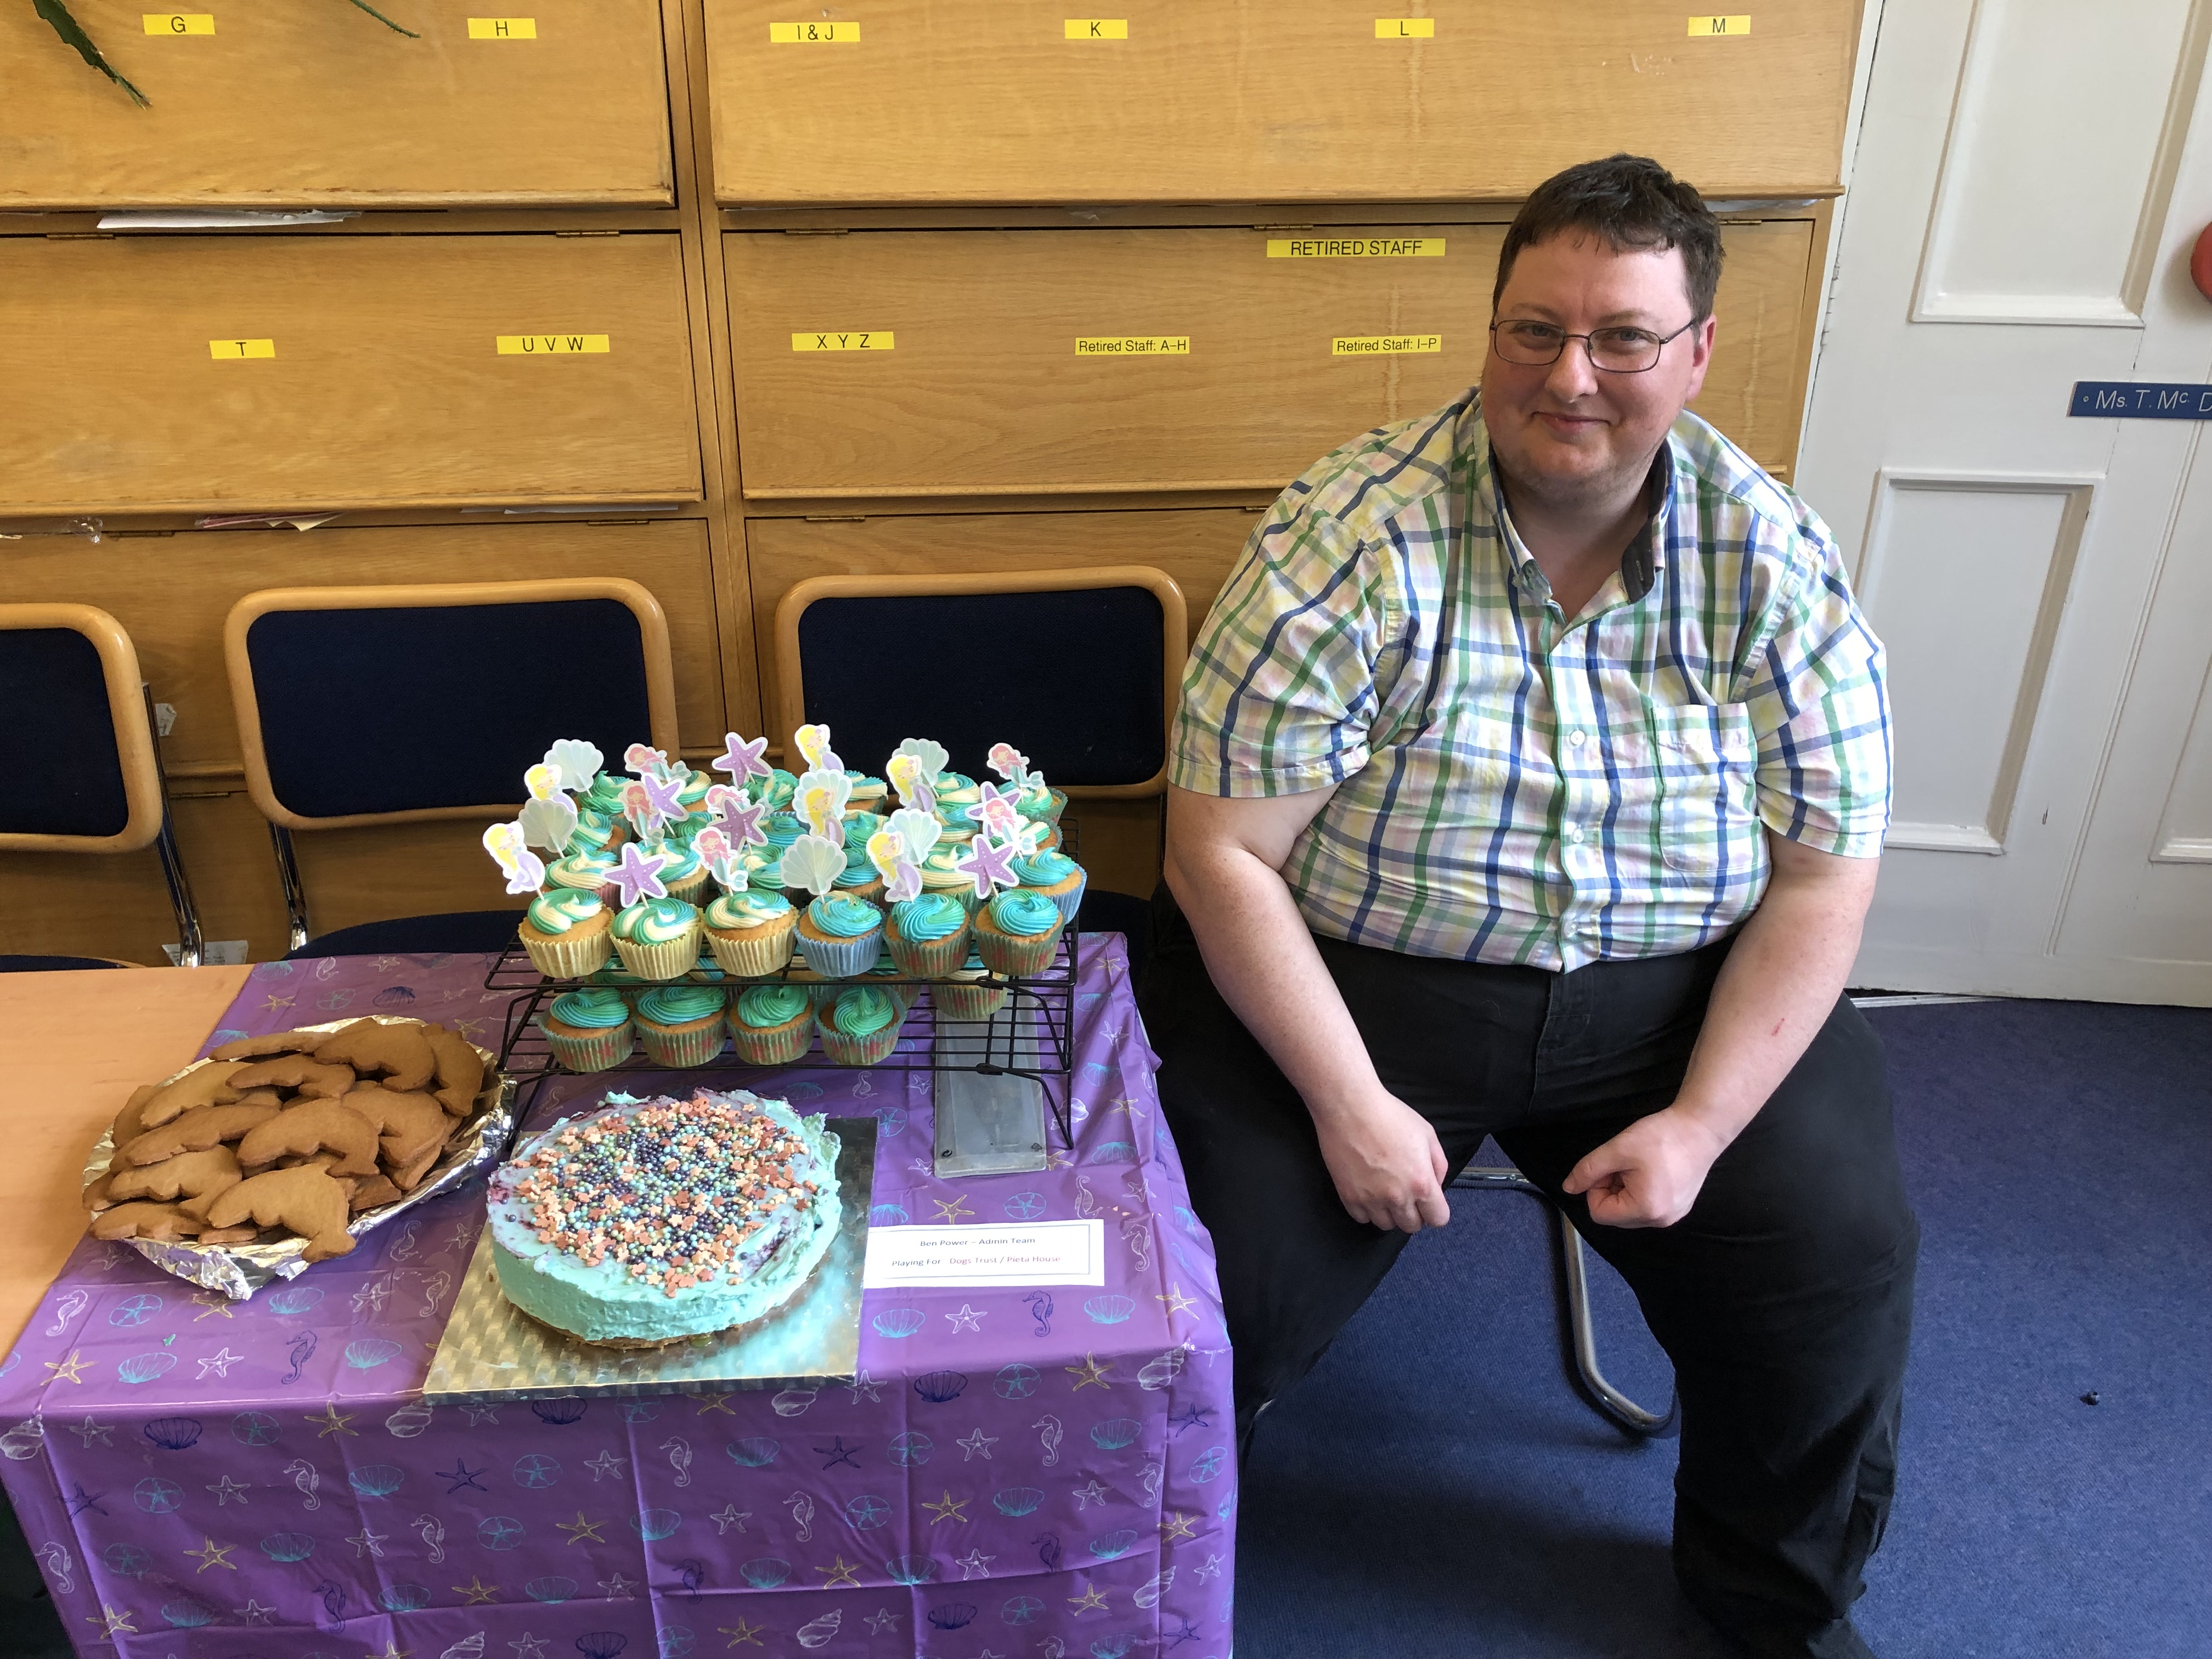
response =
{"points": [[1649, 1174], [1387, 1164]]}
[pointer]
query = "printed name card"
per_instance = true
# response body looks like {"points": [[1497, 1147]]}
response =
{"points": [[230, 349], [550, 345], [1356, 247], [1132, 345], [1381, 345], [1405, 29], [840, 34], [502, 29], [879, 339], [1095, 28], [1710, 23], [1036, 1252], [179, 22]]}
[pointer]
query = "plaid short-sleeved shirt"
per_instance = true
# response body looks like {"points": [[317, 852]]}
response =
{"points": [[1514, 785]]}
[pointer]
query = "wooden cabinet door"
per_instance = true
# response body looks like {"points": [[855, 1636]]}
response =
{"points": [[915, 100], [320, 105], [268, 373]]}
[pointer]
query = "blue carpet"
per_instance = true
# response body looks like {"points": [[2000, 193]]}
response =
{"points": [[1437, 1487]]}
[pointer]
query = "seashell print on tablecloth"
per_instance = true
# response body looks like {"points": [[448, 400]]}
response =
{"points": [[145, 1367], [952, 1615], [552, 1588], [288, 1546], [939, 1386], [753, 1454], [911, 1569], [377, 1480], [897, 1322], [558, 1412], [766, 1573], [1116, 1432], [1017, 1500]]}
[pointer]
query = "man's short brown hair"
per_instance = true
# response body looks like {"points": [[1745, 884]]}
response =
{"points": [[1630, 202]]}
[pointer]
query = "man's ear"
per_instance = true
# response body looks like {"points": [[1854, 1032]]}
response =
{"points": [[1701, 357]]}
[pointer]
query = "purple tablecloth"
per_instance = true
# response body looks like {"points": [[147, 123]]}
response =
{"points": [[1044, 1474]]}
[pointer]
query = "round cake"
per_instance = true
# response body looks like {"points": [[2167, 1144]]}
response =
{"points": [[649, 1221]]}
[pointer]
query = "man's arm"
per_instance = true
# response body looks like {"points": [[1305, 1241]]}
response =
{"points": [[1224, 860], [1773, 994]]}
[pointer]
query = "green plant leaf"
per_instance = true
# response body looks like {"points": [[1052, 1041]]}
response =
{"points": [[377, 14], [73, 35]]}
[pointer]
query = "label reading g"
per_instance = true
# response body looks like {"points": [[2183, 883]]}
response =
{"points": [[879, 339], [179, 22]]}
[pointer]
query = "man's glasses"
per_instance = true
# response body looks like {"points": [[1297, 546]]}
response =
{"points": [[1615, 351]]}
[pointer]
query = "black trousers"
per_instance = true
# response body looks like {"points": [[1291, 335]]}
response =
{"points": [[1784, 1297]]}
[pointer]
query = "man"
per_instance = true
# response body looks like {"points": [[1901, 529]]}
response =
{"points": [[1529, 778]]}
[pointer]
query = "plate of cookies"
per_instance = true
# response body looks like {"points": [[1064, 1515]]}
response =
{"points": [[280, 1151]]}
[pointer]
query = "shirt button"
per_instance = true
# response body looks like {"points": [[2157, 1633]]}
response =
{"points": [[1575, 834], [1576, 737]]}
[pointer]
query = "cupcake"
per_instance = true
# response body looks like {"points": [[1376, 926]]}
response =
{"points": [[858, 826], [692, 798], [927, 936], [750, 931], [861, 1027], [593, 834], [684, 875], [776, 788], [955, 792], [587, 1031], [859, 878], [782, 828], [843, 936], [869, 793], [567, 933], [1016, 932], [658, 938], [771, 1024], [604, 797], [1041, 802], [937, 875], [957, 827], [1058, 877], [681, 1024], [584, 872], [885, 976], [967, 995], [763, 868]]}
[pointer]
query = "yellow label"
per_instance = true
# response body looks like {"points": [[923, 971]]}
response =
{"points": [[1708, 23], [502, 29], [1095, 28], [241, 348], [549, 345], [814, 34], [1405, 29], [1132, 345], [1383, 345], [179, 22], [875, 339], [1356, 248]]}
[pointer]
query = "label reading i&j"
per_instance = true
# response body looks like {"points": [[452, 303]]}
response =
{"points": [[550, 345], [879, 339], [225, 348], [179, 22], [1713, 23], [1383, 345], [1356, 247], [1405, 29], [1132, 345], [502, 29], [840, 33], [1095, 28]]}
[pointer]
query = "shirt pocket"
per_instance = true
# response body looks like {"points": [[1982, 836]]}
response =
{"points": [[1705, 758]]}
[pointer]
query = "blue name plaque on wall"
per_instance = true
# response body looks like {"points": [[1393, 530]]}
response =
{"points": [[2142, 400]]}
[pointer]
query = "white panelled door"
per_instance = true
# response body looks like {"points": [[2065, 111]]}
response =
{"points": [[2030, 177]]}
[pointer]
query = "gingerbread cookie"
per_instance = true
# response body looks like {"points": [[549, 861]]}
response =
{"points": [[461, 1069], [130, 1122], [204, 1085], [199, 1129], [400, 1055], [317, 1126], [96, 1195], [370, 1191], [305, 1199], [408, 1176], [167, 1223], [275, 1042], [301, 1073], [188, 1179], [406, 1124]]}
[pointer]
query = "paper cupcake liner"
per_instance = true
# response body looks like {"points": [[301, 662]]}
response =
{"points": [[842, 958], [692, 889], [670, 960], [593, 1053], [869, 1050], [694, 1044], [1016, 954], [967, 999], [1069, 901], [761, 953], [930, 959], [779, 1045], [565, 956]]}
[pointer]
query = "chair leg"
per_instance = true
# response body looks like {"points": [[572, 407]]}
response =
{"points": [[288, 876], [188, 941], [1614, 1406]]}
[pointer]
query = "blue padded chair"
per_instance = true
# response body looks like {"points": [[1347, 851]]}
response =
{"points": [[1078, 669], [362, 705], [78, 751]]}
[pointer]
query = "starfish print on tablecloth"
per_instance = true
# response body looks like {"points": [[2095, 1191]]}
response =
{"points": [[273, 1003], [333, 1421], [88, 1429], [529, 1646], [210, 1306], [1209, 1568], [580, 1530], [70, 1370], [882, 1620], [840, 1571], [948, 1508], [461, 1475], [254, 1613], [967, 1318], [953, 1209], [714, 1403], [1175, 1525], [1176, 1301], [79, 1500], [977, 1444], [604, 1464], [226, 1489], [731, 1516], [1194, 1416], [838, 1452], [477, 1591], [863, 1383], [219, 1361], [368, 1540], [113, 1621], [621, 1589], [975, 1565], [212, 1554], [1090, 1602], [741, 1632], [1088, 1372], [480, 1415], [1086, 1496]]}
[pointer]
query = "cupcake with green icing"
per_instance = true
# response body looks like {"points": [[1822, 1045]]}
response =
{"points": [[776, 788], [587, 1031], [861, 1027], [684, 875], [970, 994], [955, 792], [859, 878], [869, 793], [567, 933], [763, 868], [583, 872], [1017, 932], [750, 933], [771, 1024], [1040, 801], [927, 935], [604, 797], [940, 876], [782, 828], [1055, 875], [592, 834], [681, 1024], [658, 938], [692, 797], [841, 935]]}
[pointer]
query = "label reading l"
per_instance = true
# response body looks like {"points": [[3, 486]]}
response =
{"points": [[1712, 23], [1356, 248], [1405, 29], [1095, 28], [502, 29], [179, 22], [1377, 345], [877, 339], [1132, 345], [843, 32], [223, 349], [549, 345]]}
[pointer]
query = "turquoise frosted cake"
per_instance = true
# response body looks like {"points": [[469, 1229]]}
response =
{"points": [[651, 1220]]}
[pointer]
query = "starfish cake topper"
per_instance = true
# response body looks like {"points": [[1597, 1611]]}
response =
{"points": [[989, 864], [743, 759], [637, 874]]}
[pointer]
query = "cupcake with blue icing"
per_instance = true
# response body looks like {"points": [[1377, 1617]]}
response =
{"points": [[776, 788], [841, 935], [859, 878], [658, 938], [684, 875], [927, 935], [1055, 875], [583, 872], [1017, 932], [567, 933], [681, 1024], [588, 1031]]}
